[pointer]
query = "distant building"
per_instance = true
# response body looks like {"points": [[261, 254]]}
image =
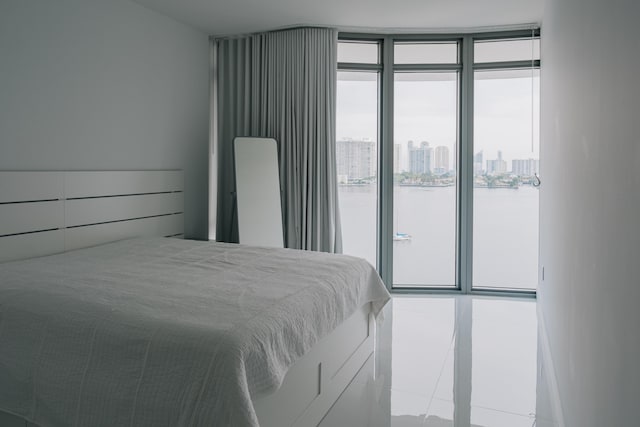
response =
{"points": [[396, 158], [420, 158], [356, 159], [525, 167], [497, 166], [442, 160], [477, 163]]}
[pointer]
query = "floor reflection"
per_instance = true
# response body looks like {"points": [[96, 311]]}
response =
{"points": [[455, 361]]}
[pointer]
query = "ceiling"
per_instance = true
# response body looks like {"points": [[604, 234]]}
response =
{"points": [[228, 17]]}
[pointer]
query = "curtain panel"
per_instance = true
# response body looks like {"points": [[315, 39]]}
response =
{"points": [[282, 85]]}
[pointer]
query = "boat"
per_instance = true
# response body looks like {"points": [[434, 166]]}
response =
{"points": [[401, 236]]}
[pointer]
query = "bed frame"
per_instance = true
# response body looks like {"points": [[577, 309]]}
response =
{"points": [[47, 212], [42, 213], [316, 381]]}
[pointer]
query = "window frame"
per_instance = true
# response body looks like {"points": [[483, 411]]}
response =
{"points": [[465, 67]]}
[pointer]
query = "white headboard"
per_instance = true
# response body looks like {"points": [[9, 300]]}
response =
{"points": [[43, 213]]}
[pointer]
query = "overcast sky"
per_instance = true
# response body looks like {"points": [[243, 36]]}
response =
{"points": [[426, 111]]}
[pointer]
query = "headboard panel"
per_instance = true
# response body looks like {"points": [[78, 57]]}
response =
{"points": [[48, 212], [27, 217], [83, 184], [31, 186]]}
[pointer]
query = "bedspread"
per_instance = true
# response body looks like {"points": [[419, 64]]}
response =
{"points": [[166, 332]]}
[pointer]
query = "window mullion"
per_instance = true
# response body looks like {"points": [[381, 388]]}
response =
{"points": [[465, 165], [512, 65], [429, 67], [385, 170]]}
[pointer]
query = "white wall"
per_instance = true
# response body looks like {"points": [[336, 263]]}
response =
{"points": [[91, 84], [590, 207]]}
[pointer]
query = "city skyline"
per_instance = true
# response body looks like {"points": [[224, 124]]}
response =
{"points": [[356, 160], [506, 113]]}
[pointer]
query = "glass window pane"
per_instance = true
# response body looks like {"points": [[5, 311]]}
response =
{"points": [[506, 50], [426, 53], [424, 205], [356, 154], [506, 157], [360, 52]]}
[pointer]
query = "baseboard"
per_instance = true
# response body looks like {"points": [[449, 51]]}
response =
{"points": [[549, 370]]}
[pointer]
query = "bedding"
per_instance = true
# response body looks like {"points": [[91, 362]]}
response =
{"points": [[166, 332]]}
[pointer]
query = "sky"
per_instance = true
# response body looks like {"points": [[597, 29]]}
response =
{"points": [[425, 110]]}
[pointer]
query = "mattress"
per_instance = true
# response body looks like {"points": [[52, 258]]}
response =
{"points": [[166, 332]]}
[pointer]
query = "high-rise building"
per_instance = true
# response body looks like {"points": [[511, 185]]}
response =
{"points": [[497, 166], [420, 158], [477, 163], [356, 159], [524, 167], [442, 160]]}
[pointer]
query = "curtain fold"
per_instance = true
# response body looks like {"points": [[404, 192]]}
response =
{"points": [[282, 85]]}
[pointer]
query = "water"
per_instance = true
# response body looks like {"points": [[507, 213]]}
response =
{"points": [[505, 234]]}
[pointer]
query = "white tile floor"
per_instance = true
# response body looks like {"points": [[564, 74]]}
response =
{"points": [[454, 361]]}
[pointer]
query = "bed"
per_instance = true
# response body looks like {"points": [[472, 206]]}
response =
{"points": [[160, 330]]}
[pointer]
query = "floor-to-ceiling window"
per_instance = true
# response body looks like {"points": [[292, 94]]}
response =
{"points": [[437, 149], [506, 161], [425, 141], [357, 129]]}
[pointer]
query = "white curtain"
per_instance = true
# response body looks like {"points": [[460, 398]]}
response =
{"points": [[282, 85]]}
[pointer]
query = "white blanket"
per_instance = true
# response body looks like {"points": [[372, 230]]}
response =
{"points": [[166, 332]]}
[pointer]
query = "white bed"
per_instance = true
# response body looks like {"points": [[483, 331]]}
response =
{"points": [[138, 332]]}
